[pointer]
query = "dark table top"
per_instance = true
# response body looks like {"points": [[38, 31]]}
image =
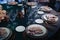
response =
{"points": [[32, 16], [52, 29]]}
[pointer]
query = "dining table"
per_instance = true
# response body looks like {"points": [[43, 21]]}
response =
{"points": [[31, 17]]}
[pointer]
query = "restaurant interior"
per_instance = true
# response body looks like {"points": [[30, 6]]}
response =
{"points": [[29, 19]]}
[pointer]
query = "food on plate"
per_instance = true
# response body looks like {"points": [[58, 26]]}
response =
{"points": [[45, 8], [2, 32], [3, 15], [35, 30], [50, 18], [5, 33]]}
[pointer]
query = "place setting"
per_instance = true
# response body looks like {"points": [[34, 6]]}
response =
{"points": [[50, 21], [46, 9], [50, 18], [5, 33], [36, 31]]}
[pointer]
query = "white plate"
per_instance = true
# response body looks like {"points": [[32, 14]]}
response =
{"points": [[45, 18], [20, 28], [40, 12], [20, 4], [44, 30], [39, 21], [8, 32], [33, 6], [46, 7]]}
